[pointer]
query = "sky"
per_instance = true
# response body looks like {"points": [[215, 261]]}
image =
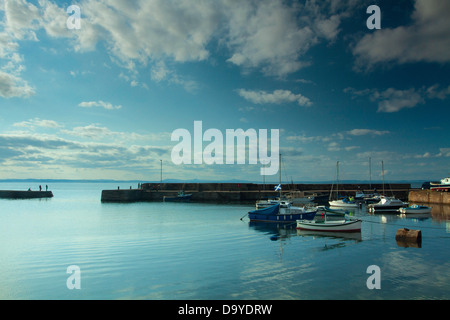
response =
{"points": [[101, 100]]}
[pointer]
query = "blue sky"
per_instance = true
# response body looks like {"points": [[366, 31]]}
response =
{"points": [[101, 102]]}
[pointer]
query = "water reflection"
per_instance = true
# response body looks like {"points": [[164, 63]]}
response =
{"points": [[282, 231], [334, 235], [275, 231]]}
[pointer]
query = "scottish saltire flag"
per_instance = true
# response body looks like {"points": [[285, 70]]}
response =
{"points": [[278, 187]]}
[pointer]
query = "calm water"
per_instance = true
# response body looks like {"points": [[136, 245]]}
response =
{"points": [[204, 251]]}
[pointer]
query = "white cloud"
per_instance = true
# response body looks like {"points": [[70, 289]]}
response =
{"points": [[40, 153], [13, 86], [36, 122], [21, 18], [271, 36], [444, 152], [393, 100], [433, 92], [425, 40], [363, 132], [100, 103], [276, 97]]}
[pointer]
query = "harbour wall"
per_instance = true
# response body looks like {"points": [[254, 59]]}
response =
{"points": [[428, 196], [241, 192], [13, 194]]}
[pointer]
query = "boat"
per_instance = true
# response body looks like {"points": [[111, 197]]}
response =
{"points": [[181, 197], [330, 211], [261, 204], [414, 209], [347, 202], [387, 204], [283, 213], [367, 197], [443, 185], [344, 225]]}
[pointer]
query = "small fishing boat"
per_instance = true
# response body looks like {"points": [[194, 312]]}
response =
{"points": [[414, 209], [181, 197], [343, 225], [387, 204], [281, 213]]}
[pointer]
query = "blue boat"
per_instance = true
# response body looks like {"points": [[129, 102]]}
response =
{"points": [[282, 214], [181, 197]]}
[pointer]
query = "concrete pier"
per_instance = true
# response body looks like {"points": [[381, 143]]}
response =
{"points": [[13, 194], [240, 192], [428, 196]]}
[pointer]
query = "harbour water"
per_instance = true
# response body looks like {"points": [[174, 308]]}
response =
{"points": [[184, 251]]}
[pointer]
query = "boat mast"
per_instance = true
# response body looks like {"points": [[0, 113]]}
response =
{"points": [[279, 169], [337, 180], [370, 172], [382, 173]]}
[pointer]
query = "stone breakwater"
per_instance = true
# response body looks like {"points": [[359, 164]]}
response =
{"points": [[428, 196], [240, 192], [13, 194]]}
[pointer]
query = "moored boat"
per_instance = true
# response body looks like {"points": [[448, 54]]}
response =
{"points": [[443, 185], [414, 209], [387, 204], [331, 212], [330, 225], [344, 203], [279, 213], [261, 204], [181, 197]]}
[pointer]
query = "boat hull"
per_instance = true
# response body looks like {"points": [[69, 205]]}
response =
{"points": [[387, 204], [415, 210], [281, 218], [343, 204], [384, 208], [443, 185], [185, 198], [331, 226], [280, 215]]}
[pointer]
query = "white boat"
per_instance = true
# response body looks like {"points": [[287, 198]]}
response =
{"points": [[344, 203], [387, 204], [324, 210], [415, 209], [443, 185], [261, 204], [330, 225]]}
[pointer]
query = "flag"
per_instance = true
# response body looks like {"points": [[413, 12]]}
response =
{"points": [[278, 187]]}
